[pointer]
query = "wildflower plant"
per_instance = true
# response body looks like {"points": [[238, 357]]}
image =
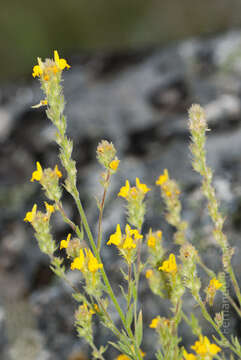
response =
{"points": [[170, 276]]}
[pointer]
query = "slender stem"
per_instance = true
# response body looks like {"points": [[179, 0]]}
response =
{"points": [[96, 253], [235, 283], [65, 217], [215, 326], [129, 288], [101, 211], [212, 274]]}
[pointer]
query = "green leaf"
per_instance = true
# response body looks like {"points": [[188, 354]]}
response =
{"points": [[129, 316], [78, 297], [139, 329]]}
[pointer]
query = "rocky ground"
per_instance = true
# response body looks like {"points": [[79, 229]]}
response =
{"points": [[139, 101]]}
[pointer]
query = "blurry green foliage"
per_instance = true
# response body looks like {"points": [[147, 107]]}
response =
{"points": [[30, 28]]}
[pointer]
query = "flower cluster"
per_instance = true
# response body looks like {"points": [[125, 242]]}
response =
{"points": [[126, 243], [211, 290], [106, 155], [170, 265], [50, 67], [203, 349], [135, 201], [49, 179]]}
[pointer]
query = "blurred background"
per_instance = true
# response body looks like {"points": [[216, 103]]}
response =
{"points": [[29, 29], [136, 68]]}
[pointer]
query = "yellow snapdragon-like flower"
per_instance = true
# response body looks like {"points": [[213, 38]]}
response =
{"points": [[163, 178], [126, 241], [86, 261], [114, 164], [38, 173], [64, 243], [204, 347], [116, 238], [151, 241], [215, 284], [37, 71], [155, 322], [93, 264], [31, 214], [57, 171], [61, 63], [149, 273], [142, 187], [189, 356], [122, 357], [49, 208], [124, 190], [79, 261], [169, 265], [129, 243]]}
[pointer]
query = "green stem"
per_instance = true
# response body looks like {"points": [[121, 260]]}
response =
{"points": [[212, 275], [101, 212], [105, 278], [215, 326]]}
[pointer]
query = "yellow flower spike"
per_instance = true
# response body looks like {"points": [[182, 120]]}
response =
{"points": [[124, 191], [61, 63], [78, 262], [142, 187], [189, 356], [169, 265], [149, 273], [115, 238], [114, 164], [37, 174], [154, 323], [93, 264], [31, 214], [163, 178], [64, 243], [57, 171]]}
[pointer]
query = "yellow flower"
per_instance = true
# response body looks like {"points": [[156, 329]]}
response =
{"points": [[37, 71], [37, 174], [116, 238], [122, 357], [162, 178], [61, 63], [114, 164], [154, 323], [124, 191], [142, 187], [204, 347], [169, 265], [129, 243], [78, 262], [31, 214], [189, 356], [49, 208], [64, 243], [93, 264], [151, 241], [57, 171], [215, 284], [149, 273]]}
